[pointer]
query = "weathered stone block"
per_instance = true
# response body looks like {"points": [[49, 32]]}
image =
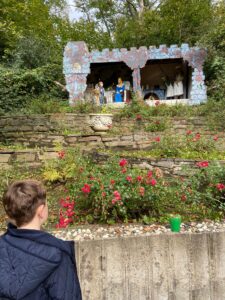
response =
{"points": [[110, 138], [47, 155], [4, 157], [165, 164], [127, 138], [89, 138], [26, 157]]}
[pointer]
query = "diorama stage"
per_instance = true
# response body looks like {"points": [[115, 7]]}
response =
{"points": [[169, 74]]}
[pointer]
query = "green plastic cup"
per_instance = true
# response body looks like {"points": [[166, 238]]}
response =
{"points": [[175, 223]]}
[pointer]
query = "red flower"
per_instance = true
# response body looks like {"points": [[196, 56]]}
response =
{"points": [[129, 178], [139, 178], [149, 175], [153, 182], [63, 222], [157, 139], [86, 188], [61, 154], [92, 178], [215, 137], [114, 201], [103, 194], [188, 132], [123, 162], [138, 117], [197, 137], [220, 186], [117, 195], [202, 164], [116, 198], [183, 197], [124, 170], [142, 191], [70, 213], [112, 182]]}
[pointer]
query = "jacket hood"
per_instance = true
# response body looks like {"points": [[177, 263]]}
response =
{"points": [[27, 258]]}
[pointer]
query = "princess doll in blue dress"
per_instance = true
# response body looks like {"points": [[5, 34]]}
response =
{"points": [[120, 88]]}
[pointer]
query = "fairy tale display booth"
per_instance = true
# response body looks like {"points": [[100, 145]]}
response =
{"points": [[169, 74]]}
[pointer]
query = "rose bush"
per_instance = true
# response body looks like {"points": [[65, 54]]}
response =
{"points": [[114, 192]]}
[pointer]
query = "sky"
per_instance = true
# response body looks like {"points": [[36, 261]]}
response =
{"points": [[74, 14]]}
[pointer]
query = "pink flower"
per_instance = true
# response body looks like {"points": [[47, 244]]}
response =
{"points": [[103, 194], [116, 198], [61, 154], [86, 188], [197, 137], [149, 175], [188, 132], [153, 182], [123, 162], [142, 191], [157, 139], [117, 195], [114, 201], [157, 103], [220, 186], [129, 178], [215, 137], [124, 170], [202, 164]]}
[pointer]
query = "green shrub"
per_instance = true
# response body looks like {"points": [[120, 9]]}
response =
{"points": [[18, 87]]}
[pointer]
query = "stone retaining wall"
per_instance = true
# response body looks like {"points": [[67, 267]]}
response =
{"points": [[73, 129], [35, 158], [155, 267]]}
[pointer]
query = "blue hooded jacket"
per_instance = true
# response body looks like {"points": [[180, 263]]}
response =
{"points": [[35, 265]]}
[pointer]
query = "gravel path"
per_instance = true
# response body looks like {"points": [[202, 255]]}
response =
{"points": [[93, 232]]}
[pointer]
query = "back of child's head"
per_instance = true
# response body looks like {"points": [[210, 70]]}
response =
{"points": [[21, 200]]}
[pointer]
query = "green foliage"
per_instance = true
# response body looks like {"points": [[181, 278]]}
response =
{"points": [[156, 125], [190, 146], [18, 87], [207, 187]]}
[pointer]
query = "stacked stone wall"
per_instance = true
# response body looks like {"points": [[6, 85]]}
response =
{"points": [[74, 129]]}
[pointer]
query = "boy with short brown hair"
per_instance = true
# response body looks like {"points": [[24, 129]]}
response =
{"points": [[34, 264]]}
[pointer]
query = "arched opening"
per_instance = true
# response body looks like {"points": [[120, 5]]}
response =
{"points": [[151, 96]]}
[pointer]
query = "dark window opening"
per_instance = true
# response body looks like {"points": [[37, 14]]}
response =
{"points": [[109, 74], [158, 74]]}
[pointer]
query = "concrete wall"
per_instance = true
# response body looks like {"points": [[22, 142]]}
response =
{"points": [[157, 267]]}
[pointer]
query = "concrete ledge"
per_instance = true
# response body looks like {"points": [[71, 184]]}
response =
{"points": [[156, 267]]}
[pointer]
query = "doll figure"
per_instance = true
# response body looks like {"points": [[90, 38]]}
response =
{"points": [[101, 92], [120, 88], [178, 87]]}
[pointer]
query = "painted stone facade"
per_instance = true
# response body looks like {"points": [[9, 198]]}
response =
{"points": [[77, 60]]}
